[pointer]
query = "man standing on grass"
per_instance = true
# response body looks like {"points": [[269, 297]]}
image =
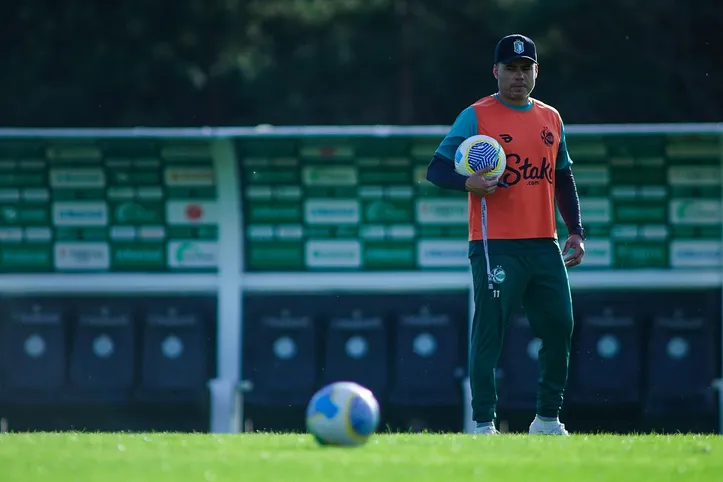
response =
{"points": [[513, 246]]}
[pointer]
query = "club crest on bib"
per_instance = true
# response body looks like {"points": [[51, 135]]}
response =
{"points": [[498, 275], [547, 137]]}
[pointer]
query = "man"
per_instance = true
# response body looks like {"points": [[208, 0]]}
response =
{"points": [[513, 246]]}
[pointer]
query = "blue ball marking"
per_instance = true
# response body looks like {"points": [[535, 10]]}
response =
{"points": [[324, 405], [482, 156], [361, 417]]}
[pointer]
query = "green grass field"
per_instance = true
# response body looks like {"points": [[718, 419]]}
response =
{"points": [[81, 457]]}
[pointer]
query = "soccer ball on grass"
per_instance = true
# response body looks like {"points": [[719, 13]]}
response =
{"points": [[342, 414]]}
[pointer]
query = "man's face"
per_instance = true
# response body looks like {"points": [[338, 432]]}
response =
{"points": [[516, 79]]}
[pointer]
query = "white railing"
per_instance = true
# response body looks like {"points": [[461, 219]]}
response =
{"points": [[304, 131], [230, 282]]}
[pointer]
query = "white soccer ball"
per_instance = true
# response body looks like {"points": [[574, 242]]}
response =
{"points": [[480, 152], [342, 414]]}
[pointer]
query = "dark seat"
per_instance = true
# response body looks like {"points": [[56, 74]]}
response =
{"points": [[33, 351], [606, 365], [177, 352], [681, 366], [356, 349], [280, 352], [102, 363], [428, 363]]}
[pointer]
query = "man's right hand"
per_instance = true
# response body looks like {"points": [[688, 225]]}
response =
{"points": [[477, 184]]}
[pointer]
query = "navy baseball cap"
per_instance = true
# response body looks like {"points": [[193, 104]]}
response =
{"points": [[513, 47]]}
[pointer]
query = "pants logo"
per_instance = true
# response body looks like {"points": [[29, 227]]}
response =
{"points": [[498, 275]]}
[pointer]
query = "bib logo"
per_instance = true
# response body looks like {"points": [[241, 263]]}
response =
{"points": [[523, 170], [547, 136]]}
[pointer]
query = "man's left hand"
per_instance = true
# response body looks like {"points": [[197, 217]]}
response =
{"points": [[573, 251]]}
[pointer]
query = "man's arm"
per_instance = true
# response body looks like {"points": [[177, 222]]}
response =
{"points": [[440, 171], [566, 196]]}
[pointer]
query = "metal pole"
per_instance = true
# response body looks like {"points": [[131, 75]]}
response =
{"points": [[224, 411]]}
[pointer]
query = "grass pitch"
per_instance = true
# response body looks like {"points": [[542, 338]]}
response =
{"points": [[87, 457]]}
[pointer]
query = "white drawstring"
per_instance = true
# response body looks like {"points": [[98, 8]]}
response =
{"points": [[484, 241]]}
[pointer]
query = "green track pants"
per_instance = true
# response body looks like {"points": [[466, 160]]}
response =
{"points": [[540, 282]]}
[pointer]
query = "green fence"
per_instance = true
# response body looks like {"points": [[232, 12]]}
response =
{"points": [[330, 199], [95, 205]]}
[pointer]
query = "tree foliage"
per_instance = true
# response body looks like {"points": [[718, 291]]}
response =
{"points": [[245, 62]]}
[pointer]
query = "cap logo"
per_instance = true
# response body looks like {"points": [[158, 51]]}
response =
{"points": [[518, 46]]}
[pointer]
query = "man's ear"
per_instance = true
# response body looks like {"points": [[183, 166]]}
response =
{"points": [[495, 71], [537, 70]]}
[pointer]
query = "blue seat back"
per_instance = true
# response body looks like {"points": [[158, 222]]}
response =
{"points": [[607, 361], [33, 349], [430, 355], [681, 365], [281, 356], [177, 345], [356, 349], [103, 348]]}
